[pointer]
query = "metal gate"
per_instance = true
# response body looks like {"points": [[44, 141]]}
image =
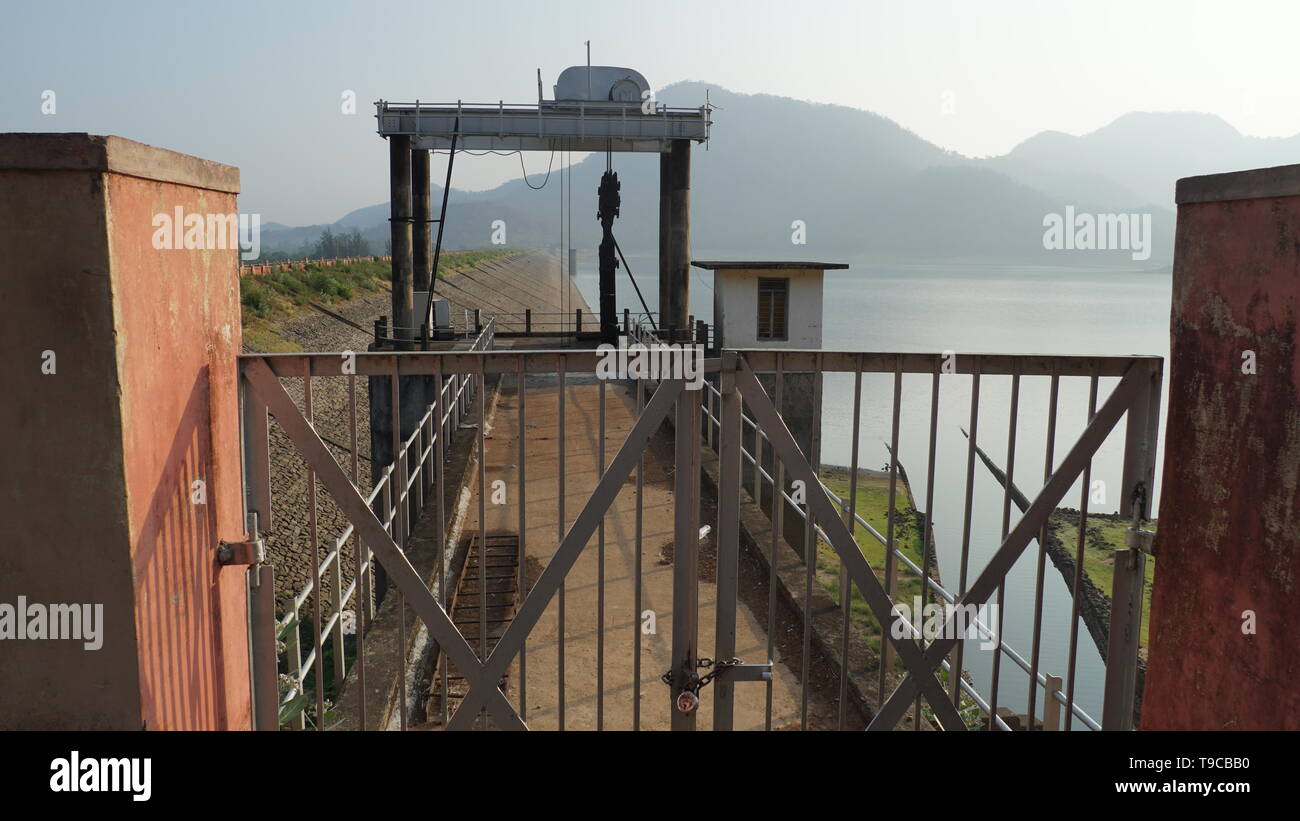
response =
{"points": [[721, 412]]}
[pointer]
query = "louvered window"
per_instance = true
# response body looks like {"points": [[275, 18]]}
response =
{"points": [[773, 301]]}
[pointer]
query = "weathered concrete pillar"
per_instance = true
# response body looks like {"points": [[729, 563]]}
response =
{"points": [[121, 471], [421, 228], [399, 169], [675, 236], [1227, 550]]}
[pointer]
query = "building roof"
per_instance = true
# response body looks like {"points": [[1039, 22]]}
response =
{"points": [[717, 265]]}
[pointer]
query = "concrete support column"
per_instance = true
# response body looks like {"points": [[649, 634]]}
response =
{"points": [[421, 227], [122, 468], [1227, 549], [399, 170], [675, 236], [665, 196]]}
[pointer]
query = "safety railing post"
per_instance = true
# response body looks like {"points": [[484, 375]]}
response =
{"points": [[293, 656], [336, 634], [1051, 705], [1129, 579]]}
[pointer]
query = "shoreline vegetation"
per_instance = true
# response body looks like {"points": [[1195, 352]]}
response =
{"points": [[909, 532], [1103, 538]]}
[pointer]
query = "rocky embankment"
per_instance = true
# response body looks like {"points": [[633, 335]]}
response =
{"points": [[499, 287]]}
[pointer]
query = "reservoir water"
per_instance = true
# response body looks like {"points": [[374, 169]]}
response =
{"points": [[975, 309]]}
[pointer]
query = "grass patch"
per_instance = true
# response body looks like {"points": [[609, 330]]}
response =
{"points": [[263, 337], [281, 294], [1104, 539], [873, 507]]}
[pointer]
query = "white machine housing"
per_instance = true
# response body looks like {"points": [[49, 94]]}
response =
{"points": [[600, 84]]}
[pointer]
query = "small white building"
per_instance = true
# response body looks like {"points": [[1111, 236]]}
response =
{"points": [[775, 305], [770, 304]]}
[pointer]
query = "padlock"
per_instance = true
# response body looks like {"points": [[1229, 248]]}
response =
{"points": [[687, 701]]}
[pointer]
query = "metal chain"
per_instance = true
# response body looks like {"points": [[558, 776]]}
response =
{"points": [[698, 682]]}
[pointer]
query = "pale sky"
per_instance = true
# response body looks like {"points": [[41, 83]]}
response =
{"points": [[259, 84]]}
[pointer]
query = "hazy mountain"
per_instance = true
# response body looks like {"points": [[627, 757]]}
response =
{"points": [[861, 184], [1141, 155]]}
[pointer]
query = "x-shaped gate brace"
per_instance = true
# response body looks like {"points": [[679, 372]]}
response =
{"points": [[923, 662], [841, 539], [482, 677], [1030, 524]]}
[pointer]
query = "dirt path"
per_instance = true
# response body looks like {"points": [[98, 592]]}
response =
{"points": [[582, 585]]}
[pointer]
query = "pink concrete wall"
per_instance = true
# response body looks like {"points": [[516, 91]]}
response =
{"points": [[1229, 531], [145, 403], [177, 315]]}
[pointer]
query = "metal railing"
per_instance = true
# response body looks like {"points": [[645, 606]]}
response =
{"points": [[416, 460], [714, 419], [711, 401], [467, 324]]}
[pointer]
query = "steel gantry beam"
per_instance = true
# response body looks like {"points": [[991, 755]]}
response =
{"points": [[544, 126]]}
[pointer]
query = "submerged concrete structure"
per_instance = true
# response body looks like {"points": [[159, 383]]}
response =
{"points": [[1223, 634]]}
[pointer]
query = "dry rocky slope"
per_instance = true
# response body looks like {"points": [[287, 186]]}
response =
{"points": [[530, 280]]}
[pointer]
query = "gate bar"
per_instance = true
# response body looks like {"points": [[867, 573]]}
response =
{"points": [[1031, 522], [637, 590], [521, 584], [1048, 460], [1075, 588], [600, 580], [891, 571], [559, 628], [400, 571], [265, 665], [846, 587], [1130, 566], [316, 591], [1012, 421], [547, 585], [842, 541], [957, 659], [928, 535], [810, 550], [686, 553], [778, 523], [729, 445]]}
